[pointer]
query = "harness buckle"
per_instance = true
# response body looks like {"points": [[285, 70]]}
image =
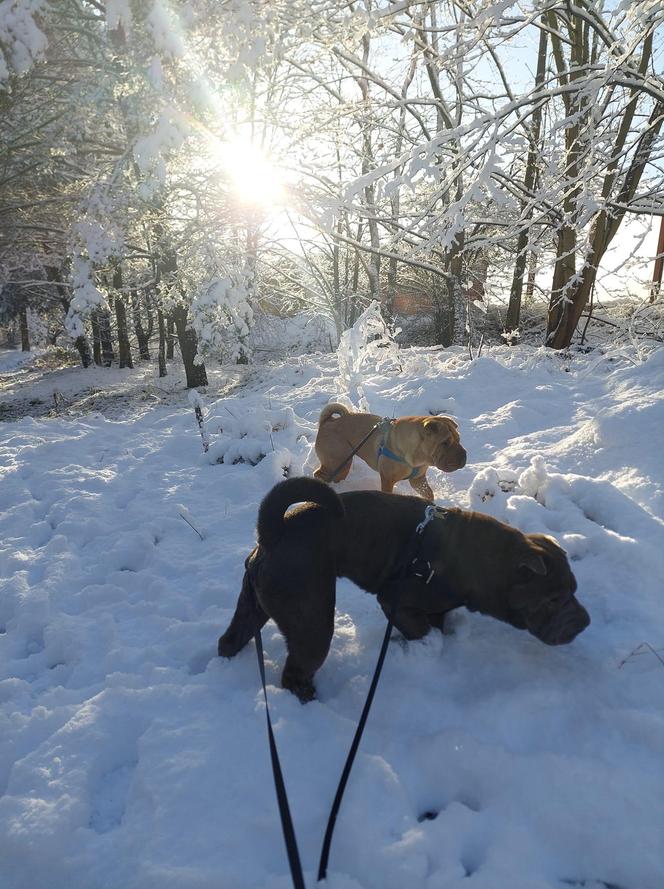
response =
{"points": [[429, 513]]}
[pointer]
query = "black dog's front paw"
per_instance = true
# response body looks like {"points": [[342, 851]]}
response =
{"points": [[227, 646], [304, 693], [302, 688], [437, 622]]}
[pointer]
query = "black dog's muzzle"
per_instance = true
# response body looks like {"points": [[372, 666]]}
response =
{"points": [[560, 627]]}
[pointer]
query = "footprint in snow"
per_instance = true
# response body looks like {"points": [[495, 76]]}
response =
{"points": [[109, 797]]}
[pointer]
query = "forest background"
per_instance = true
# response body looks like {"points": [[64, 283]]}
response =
{"points": [[173, 174]]}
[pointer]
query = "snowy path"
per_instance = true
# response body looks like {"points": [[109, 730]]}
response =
{"points": [[132, 757]]}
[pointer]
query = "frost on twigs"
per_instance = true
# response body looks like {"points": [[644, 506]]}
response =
{"points": [[368, 346]]}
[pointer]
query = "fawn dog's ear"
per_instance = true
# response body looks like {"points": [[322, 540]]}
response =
{"points": [[435, 425]]}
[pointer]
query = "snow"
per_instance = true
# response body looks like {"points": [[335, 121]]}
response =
{"points": [[132, 756], [118, 14], [21, 41], [11, 359], [166, 30], [87, 297], [222, 317], [168, 135]]}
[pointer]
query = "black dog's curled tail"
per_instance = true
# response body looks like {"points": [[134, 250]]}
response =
{"points": [[270, 523]]}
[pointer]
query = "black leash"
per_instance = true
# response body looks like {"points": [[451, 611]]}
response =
{"points": [[282, 799], [280, 787], [415, 542], [383, 421]]}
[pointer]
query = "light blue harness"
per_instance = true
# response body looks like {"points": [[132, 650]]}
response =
{"points": [[384, 451]]}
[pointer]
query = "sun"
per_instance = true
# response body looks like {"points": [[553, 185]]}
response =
{"points": [[255, 180]]}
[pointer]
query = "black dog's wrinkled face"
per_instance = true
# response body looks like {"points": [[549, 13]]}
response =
{"points": [[541, 598]]}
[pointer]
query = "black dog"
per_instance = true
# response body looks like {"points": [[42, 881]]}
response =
{"points": [[465, 558]]}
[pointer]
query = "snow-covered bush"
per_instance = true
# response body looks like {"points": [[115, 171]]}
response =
{"points": [[495, 491], [222, 318], [489, 490], [369, 345], [87, 297], [248, 436]]}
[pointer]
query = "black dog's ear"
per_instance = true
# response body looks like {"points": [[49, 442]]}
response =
{"points": [[533, 562]]}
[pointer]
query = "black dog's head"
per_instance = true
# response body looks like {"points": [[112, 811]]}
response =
{"points": [[537, 592], [541, 599]]}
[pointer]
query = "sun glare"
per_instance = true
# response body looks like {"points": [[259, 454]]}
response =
{"points": [[256, 181]]}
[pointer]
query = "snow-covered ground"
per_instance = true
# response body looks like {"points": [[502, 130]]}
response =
{"points": [[11, 359], [132, 757]]}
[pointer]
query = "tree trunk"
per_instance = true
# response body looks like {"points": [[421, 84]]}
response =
{"points": [[563, 322], [124, 349], [196, 375], [352, 308], [395, 199], [443, 313], [83, 348], [656, 286], [96, 338], [576, 110], [561, 291], [139, 330], [368, 165], [162, 343], [457, 300], [532, 272], [167, 266], [449, 119], [25, 334], [336, 279], [513, 316], [170, 336], [148, 303], [106, 338]]}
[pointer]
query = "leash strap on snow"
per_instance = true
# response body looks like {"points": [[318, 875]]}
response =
{"points": [[280, 787], [413, 549], [385, 423]]}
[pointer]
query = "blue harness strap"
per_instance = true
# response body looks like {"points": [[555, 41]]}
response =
{"points": [[384, 451]]}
